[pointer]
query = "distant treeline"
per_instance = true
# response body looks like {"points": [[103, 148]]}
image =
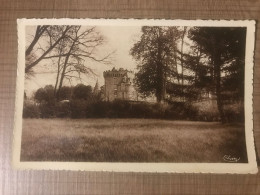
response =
{"points": [[82, 102]]}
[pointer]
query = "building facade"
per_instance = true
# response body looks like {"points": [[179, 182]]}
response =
{"points": [[119, 85]]}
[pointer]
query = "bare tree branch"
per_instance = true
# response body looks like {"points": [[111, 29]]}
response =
{"points": [[31, 65], [39, 32]]}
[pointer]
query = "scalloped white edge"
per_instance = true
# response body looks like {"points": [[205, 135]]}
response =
{"points": [[230, 168]]}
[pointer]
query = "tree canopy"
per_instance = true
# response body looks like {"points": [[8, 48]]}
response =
{"points": [[181, 62], [225, 47], [155, 53], [81, 91]]}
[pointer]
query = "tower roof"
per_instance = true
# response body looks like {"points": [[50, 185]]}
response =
{"points": [[115, 71], [96, 88]]}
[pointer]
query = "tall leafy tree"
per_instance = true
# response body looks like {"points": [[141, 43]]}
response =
{"points": [[183, 32], [45, 94], [156, 55]]}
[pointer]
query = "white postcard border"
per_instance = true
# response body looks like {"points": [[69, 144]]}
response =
{"points": [[241, 168]]}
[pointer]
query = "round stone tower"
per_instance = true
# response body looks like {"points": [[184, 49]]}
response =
{"points": [[118, 84]]}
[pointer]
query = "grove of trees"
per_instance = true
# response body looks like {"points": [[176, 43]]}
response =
{"points": [[68, 49], [181, 62]]}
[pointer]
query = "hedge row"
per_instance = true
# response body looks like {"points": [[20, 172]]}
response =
{"points": [[122, 109]]}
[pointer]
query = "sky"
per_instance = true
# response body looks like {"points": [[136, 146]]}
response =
{"points": [[117, 38]]}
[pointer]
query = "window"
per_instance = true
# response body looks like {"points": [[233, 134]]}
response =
{"points": [[115, 92]]}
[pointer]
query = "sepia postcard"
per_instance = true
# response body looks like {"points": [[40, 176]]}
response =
{"points": [[135, 95]]}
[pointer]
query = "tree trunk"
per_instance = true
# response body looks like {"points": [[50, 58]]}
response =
{"points": [[160, 83], [64, 68], [29, 66], [58, 76], [62, 76], [160, 73], [182, 68], [39, 31], [217, 71], [198, 57]]}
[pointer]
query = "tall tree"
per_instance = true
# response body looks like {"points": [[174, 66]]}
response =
{"points": [[75, 52], [156, 56], [183, 32], [225, 48], [68, 51]]}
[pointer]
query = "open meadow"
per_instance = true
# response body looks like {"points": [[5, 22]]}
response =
{"points": [[130, 140]]}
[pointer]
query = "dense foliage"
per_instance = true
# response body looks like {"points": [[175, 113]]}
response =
{"points": [[183, 64]]}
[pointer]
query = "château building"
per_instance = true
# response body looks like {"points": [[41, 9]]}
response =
{"points": [[119, 85]]}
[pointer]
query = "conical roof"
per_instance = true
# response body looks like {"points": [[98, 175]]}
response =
{"points": [[96, 88]]}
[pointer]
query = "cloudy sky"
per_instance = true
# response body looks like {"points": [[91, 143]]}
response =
{"points": [[118, 38]]}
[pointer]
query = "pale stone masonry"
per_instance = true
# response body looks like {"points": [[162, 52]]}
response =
{"points": [[119, 85]]}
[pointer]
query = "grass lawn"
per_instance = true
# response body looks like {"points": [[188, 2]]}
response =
{"points": [[130, 140]]}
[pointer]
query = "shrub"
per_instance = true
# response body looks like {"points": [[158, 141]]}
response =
{"points": [[45, 94], [180, 111], [126, 109], [97, 109], [63, 109], [81, 91], [30, 110], [206, 110], [120, 109], [47, 110], [78, 108], [234, 112], [143, 110]]}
